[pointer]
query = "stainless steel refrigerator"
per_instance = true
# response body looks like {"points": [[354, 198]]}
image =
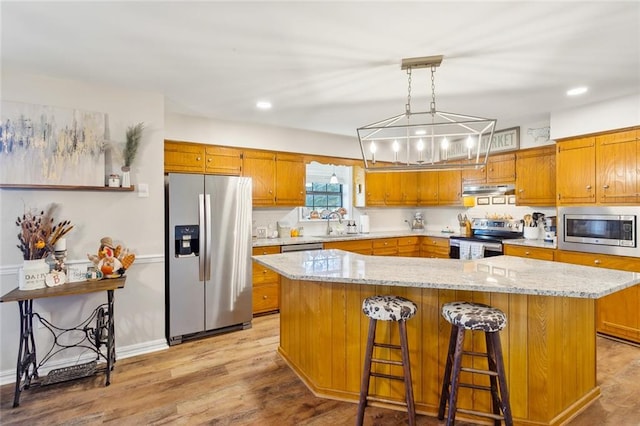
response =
{"points": [[208, 255]]}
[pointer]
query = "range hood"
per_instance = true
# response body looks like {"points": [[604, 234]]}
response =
{"points": [[470, 190]]}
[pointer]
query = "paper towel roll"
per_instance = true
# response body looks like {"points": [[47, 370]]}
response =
{"points": [[364, 224]]}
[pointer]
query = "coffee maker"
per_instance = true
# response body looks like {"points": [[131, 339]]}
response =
{"points": [[550, 227]]}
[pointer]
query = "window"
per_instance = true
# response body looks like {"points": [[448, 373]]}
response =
{"points": [[321, 196]]}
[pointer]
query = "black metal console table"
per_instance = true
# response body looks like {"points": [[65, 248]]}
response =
{"points": [[92, 337]]}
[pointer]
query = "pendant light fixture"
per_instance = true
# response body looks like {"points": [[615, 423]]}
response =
{"points": [[428, 140], [334, 178]]}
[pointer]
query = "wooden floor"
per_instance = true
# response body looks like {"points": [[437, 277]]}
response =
{"points": [[239, 379]]}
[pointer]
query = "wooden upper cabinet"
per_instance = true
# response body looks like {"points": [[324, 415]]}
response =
{"points": [[261, 167], [428, 189], [183, 157], [449, 187], [401, 189], [536, 176], [290, 179], [376, 189], [617, 168], [220, 160], [474, 176], [501, 168], [575, 171]]}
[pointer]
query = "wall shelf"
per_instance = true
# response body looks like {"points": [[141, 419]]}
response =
{"points": [[67, 187]]}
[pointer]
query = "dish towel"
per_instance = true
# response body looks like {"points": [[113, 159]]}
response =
{"points": [[477, 250], [465, 250]]}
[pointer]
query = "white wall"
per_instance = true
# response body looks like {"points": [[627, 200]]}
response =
{"points": [[138, 223], [614, 114]]}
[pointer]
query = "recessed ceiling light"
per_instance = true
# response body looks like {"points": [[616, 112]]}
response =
{"points": [[263, 105], [577, 91]]}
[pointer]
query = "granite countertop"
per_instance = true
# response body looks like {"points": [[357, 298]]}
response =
{"points": [[260, 242], [500, 274]]}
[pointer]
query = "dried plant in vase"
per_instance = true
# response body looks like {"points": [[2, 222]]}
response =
{"points": [[134, 134], [39, 232]]}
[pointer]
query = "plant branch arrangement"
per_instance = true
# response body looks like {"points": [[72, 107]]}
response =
{"points": [[39, 232], [134, 134]]}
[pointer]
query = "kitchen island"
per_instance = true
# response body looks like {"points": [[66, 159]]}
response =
{"points": [[549, 341]]}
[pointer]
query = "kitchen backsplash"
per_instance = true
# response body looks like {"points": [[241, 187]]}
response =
{"points": [[393, 219]]}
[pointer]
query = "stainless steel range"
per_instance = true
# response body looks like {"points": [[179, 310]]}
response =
{"points": [[490, 233]]}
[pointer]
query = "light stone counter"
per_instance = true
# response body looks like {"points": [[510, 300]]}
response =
{"points": [[260, 242], [530, 243], [500, 274]]}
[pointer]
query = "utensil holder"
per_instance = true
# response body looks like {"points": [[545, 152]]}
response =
{"points": [[531, 232]]}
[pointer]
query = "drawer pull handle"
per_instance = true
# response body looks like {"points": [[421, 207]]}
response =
{"points": [[264, 271], [605, 186], [527, 253], [208, 160], [264, 297], [198, 158], [597, 261], [588, 187]]}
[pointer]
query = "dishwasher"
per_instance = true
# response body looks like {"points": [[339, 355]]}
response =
{"points": [[300, 247]]}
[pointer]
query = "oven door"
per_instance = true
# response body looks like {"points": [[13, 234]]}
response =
{"points": [[491, 248]]}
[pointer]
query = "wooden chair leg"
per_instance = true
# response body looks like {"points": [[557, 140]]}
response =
{"points": [[455, 376], [496, 405], [366, 373], [408, 386], [502, 379], [446, 380]]}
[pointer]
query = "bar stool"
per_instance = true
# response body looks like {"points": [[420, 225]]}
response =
{"points": [[476, 317], [387, 308]]}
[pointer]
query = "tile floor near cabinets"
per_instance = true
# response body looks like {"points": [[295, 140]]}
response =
{"points": [[239, 379]]}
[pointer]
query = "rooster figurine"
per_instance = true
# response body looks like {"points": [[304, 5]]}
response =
{"points": [[112, 261]]}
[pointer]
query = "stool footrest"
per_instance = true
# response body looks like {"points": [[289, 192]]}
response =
{"points": [[387, 376], [481, 414], [376, 398], [471, 353], [472, 386], [387, 346], [386, 361], [475, 370]]}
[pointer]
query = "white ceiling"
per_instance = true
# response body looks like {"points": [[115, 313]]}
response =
{"points": [[335, 66]]}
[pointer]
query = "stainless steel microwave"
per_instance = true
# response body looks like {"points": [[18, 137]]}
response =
{"points": [[608, 229]]}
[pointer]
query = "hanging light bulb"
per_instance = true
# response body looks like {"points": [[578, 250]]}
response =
{"points": [[420, 147], [469, 144], [395, 147], [334, 178], [444, 145], [373, 148]]}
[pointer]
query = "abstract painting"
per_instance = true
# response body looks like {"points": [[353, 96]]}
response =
{"points": [[47, 145]]}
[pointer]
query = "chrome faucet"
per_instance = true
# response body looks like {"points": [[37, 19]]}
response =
{"points": [[329, 229]]}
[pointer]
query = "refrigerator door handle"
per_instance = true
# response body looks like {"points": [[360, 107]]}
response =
{"points": [[208, 254], [202, 237]]}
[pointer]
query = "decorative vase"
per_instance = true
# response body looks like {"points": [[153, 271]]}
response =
{"points": [[126, 177], [32, 274]]}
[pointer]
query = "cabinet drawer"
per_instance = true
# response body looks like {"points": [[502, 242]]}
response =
{"points": [[262, 274], [360, 246], [435, 242], [408, 241], [631, 264], [530, 252], [265, 298], [385, 243], [258, 251]]}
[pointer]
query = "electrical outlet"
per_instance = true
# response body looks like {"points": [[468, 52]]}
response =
{"points": [[143, 190]]}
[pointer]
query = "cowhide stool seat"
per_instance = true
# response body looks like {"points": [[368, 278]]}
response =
{"points": [[387, 308], [465, 316]]}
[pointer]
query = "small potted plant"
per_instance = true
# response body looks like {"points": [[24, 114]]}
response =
{"points": [[134, 134]]}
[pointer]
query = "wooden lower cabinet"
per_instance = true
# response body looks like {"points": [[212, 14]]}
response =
{"points": [[409, 246], [617, 314], [539, 253], [355, 246], [385, 247], [266, 283], [437, 247]]}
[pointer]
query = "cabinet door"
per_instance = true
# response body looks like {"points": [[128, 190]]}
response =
{"points": [[401, 189], [220, 160], [290, 175], [435, 247], [183, 157], [617, 162], [449, 188], [356, 246], [409, 246], [409, 185], [385, 247], [501, 168], [376, 189], [575, 172], [474, 176], [428, 188], [539, 253], [261, 167], [536, 177]]}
